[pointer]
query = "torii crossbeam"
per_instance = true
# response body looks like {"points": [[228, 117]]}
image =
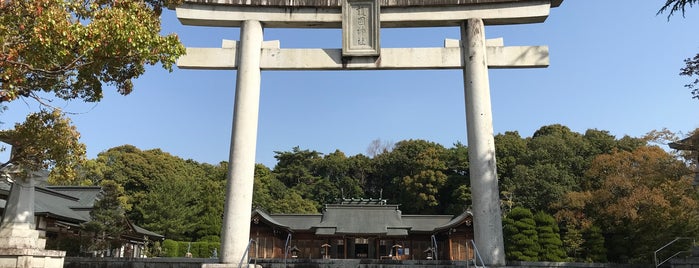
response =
{"points": [[361, 21]]}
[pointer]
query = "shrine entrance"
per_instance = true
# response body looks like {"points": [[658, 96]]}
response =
{"points": [[361, 21]]}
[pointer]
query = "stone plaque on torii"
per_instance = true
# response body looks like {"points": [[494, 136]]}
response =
{"points": [[361, 21]]}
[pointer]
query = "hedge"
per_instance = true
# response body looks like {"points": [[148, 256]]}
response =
{"points": [[173, 248]]}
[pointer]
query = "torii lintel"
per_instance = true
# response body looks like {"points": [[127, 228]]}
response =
{"points": [[449, 57], [394, 13]]}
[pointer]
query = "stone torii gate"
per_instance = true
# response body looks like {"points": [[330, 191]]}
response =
{"points": [[361, 21]]}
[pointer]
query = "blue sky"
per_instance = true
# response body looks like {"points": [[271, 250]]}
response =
{"points": [[614, 66]]}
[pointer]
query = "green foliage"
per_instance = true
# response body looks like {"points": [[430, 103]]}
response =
{"points": [[108, 218], [208, 208], [549, 238], [71, 48], [183, 247], [521, 238], [205, 249], [572, 241], [273, 196], [46, 140], [419, 170], [296, 167], [537, 172], [644, 199], [169, 208], [614, 199], [170, 248], [455, 195], [538, 185], [510, 148], [200, 249], [593, 247], [181, 199]]}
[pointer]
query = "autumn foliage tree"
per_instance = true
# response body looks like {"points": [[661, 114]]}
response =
{"points": [[645, 199], [71, 48], [613, 199], [46, 140]]}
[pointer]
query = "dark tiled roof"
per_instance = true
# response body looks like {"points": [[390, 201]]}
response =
{"points": [[367, 219], [362, 218], [426, 223], [141, 231], [69, 204], [51, 203], [298, 222], [465, 217], [55, 204], [86, 195]]}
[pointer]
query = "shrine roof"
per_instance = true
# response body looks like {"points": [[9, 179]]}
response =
{"points": [[362, 216], [338, 3]]}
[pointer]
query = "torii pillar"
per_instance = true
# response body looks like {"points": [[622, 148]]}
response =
{"points": [[487, 221], [241, 163], [361, 51]]}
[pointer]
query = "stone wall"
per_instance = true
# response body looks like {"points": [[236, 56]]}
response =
{"points": [[75, 262], [71, 262]]}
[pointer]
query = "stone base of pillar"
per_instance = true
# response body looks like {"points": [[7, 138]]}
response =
{"points": [[20, 237], [31, 258]]}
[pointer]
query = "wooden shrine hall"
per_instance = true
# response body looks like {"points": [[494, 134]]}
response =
{"points": [[361, 229]]}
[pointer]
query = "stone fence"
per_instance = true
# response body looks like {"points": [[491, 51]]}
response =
{"points": [[73, 262]]}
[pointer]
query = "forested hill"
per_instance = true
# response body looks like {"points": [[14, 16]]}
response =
{"points": [[627, 189]]}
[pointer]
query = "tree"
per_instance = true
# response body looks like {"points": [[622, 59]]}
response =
{"points": [[179, 198], [510, 149], [71, 48], [551, 165], [645, 199], [377, 147], [169, 209], [108, 218], [345, 175], [549, 238], [273, 196], [456, 193], [521, 239], [572, 240], [593, 247], [414, 173], [672, 6], [691, 67], [209, 208], [538, 186], [296, 167], [45, 140]]}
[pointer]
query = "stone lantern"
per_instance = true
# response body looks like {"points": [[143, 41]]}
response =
{"points": [[21, 245]]}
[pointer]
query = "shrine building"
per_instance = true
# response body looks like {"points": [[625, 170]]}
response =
{"points": [[361, 229]]}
